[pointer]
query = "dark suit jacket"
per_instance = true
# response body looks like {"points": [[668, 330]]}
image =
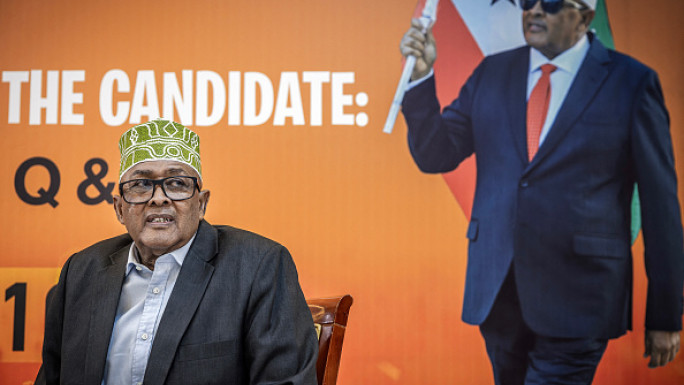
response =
{"points": [[236, 315], [564, 218]]}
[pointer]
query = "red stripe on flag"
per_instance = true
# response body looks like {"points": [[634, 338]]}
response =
{"points": [[457, 56]]}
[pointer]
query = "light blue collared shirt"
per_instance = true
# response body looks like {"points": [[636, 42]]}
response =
{"points": [[143, 298]]}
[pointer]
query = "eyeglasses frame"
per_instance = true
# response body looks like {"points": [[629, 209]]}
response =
{"points": [[572, 3], [160, 183]]}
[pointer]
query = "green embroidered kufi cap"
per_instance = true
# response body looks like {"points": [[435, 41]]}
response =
{"points": [[159, 140]]}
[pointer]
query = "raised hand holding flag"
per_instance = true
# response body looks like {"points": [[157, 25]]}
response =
{"points": [[427, 18]]}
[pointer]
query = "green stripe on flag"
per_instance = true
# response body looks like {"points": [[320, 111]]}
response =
{"points": [[636, 214], [601, 27]]}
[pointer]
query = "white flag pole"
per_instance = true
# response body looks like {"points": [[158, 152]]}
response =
{"points": [[427, 18]]}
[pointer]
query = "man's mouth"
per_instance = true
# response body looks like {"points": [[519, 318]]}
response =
{"points": [[160, 219], [535, 27]]}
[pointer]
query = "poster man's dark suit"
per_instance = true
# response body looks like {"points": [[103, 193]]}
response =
{"points": [[236, 315], [562, 220]]}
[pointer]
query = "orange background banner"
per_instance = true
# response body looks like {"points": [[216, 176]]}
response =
{"points": [[317, 174]]}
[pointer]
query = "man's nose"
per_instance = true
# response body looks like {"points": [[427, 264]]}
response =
{"points": [[537, 9], [158, 196]]}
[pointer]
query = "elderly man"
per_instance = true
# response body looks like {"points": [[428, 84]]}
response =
{"points": [[562, 129], [176, 300]]}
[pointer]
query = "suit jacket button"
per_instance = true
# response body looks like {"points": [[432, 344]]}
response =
{"points": [[524, 183]]}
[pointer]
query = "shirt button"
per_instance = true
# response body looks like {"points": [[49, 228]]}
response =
{"points": [[144, 336], [156, 290], [138, 268]]}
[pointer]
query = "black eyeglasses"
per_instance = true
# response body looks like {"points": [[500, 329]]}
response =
{"points": [[176, 188], [551, 6]]}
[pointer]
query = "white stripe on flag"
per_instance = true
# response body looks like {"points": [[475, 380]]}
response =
{"points": [[495, 25]]}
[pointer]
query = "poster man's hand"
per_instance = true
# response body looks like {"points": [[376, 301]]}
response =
{"points": [[422, 46], [661, 346]]}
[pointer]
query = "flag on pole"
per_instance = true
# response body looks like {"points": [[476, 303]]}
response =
{"points": [[466, 31]]}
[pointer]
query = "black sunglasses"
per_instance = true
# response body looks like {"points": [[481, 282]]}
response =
{"points": [[550, 6]]}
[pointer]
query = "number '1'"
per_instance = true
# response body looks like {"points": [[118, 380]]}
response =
{"points": [[18, 291]]}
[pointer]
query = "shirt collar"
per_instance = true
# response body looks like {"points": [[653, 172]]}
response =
{"points": [[177, 255], [570, 60]]}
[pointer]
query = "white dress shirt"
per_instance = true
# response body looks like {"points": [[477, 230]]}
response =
{"points": [[568, 64]]}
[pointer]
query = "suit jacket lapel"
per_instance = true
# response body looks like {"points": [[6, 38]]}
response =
{"points": [[587, 83], [516, 100], [103, 311], [190, 286]]}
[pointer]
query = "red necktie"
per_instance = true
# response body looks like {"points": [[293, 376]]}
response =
{"points": [[537, 107]]}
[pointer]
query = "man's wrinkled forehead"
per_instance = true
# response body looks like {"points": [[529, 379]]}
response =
{"points": [[155, 169]]}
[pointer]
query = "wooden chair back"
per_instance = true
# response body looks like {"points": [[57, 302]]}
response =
{"points": [[330, 318]]}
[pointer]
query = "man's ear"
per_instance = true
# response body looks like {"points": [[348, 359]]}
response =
{"points": [[203, 202], [587, 18], [118, 208]]}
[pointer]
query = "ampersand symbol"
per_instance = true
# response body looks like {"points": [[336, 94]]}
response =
{"points": [[95, 179]]}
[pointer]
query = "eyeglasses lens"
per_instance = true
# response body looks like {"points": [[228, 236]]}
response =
{"points": [[142, 190], [179, 188], [549, 6]]}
